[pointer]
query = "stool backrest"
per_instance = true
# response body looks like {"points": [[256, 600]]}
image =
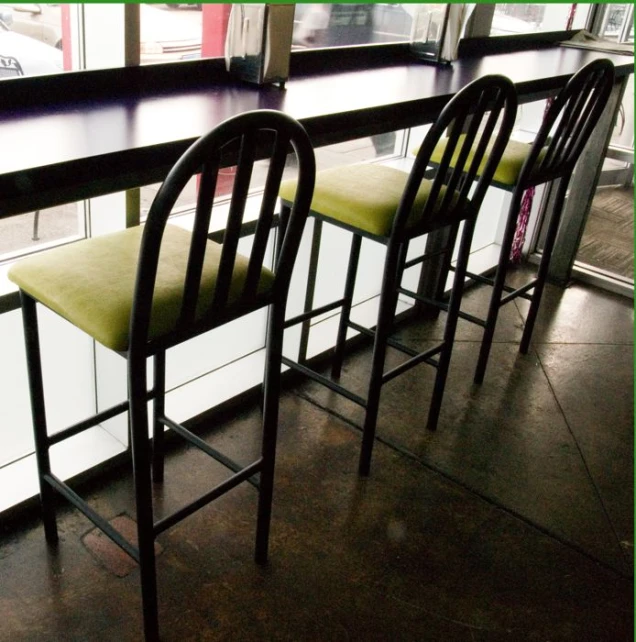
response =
{"points": [[568, 123], [240, 141], [479, 120]]}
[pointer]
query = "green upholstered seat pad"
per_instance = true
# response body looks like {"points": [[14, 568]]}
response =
{"points": [[362, 196], [509, 167], [91, 283]]}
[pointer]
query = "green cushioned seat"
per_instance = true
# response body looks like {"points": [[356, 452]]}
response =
{"points": [[91, 283], [363, 196], [509, 167]]}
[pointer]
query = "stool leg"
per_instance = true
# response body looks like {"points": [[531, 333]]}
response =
{"points": [[38, 412], [345, 313], [311, 288], [544, 265], [271, 396], [285, 213], [386, 314], [498, 288], [158, 430], [137, 386], [451, 325]]}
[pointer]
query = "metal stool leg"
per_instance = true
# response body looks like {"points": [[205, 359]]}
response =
{"points": [[271, 398], [451, 325], [497, 289], [544, 265], [386, 313], [36, 391], [285, 213], [350, 283], [311, 289], [143, 494], [158, 429]]}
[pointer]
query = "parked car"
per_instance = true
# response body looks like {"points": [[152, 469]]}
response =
{"points": [[40, 21], [34, 57]]}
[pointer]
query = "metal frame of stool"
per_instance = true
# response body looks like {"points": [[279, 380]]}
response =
{"points": [[204, 156], [480, 103], [566, 127]]}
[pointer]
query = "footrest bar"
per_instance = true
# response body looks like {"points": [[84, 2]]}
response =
{"points": [[407, 365], [396, 345], [390, 342], [480, 278], [424, 299], [361, 329], [75, 429], [328, 383], [522, 292], [424, 257], [206, 448], [305, 316], [472, 318], [165, 523], [96, 518]]}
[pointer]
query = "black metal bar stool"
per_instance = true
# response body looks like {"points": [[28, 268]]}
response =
{"points": [[392, 207], [149, 288], [566, 127]]}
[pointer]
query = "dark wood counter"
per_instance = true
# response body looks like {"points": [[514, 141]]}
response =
{"points": [[88, 133]]}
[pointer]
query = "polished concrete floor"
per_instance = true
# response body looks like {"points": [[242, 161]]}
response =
{"points": [[514, 521]]}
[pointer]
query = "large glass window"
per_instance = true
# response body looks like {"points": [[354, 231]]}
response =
{"points": [[32, 35], [336, 25], [510, 19], [174, 32], [50, 38], [617, 23]]}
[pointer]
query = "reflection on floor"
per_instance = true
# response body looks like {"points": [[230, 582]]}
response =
{"points": [[608, 238], [513, 522]]}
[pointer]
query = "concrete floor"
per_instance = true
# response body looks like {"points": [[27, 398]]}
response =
{"points": [[514, 521]]}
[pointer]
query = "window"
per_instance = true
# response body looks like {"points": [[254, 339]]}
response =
{"points": [[174, 32], [510, 19], [335, 25], [617, 23], [93, 35]]}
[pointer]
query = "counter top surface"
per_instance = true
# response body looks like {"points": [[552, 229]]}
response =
{"points": [[70, 149]]}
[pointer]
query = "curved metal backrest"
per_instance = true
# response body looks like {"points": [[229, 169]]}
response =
{"points": [[10, 67], [479, 120], [240, 141], [567, 124]]}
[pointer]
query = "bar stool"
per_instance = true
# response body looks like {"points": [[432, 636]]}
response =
{"points": [[392, 207], [566, 127], [145, 289]]}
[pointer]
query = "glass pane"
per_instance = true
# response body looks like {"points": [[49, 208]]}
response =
{"points": [[618, 23], [32, 35], [607, 244], [170, 32], [334, 25], [512, 19], [36, 230], [173, 32]]}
